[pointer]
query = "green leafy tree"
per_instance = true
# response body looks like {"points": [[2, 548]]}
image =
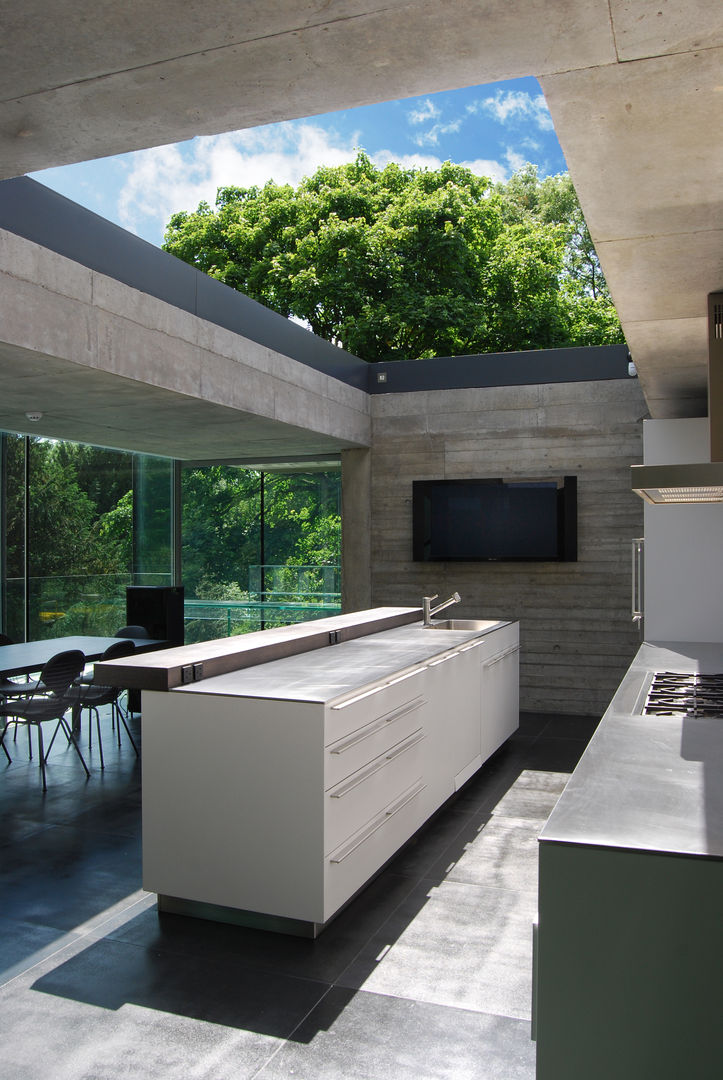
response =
{"points": [[401, 263], [220, 528]]}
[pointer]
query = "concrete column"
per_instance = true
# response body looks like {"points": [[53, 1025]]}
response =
{"points": [[356, 583]]}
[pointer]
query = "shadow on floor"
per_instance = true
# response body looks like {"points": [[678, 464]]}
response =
{"points": [[427, 973]]}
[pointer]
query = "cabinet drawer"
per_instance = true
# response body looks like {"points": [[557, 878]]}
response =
{"points": [[351, 804], [357, 710], [350, 753], [353, 863]]}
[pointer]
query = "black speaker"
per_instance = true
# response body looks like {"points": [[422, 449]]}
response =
{"points": [[159, 608]]}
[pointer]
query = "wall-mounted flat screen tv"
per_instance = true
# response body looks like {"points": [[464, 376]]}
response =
{"points": [[495, 520]]}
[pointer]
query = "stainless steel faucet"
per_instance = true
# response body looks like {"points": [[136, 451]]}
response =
{"points": [[429, 611]]}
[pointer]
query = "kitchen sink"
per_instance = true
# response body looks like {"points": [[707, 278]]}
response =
{"points": [[463, 624]]}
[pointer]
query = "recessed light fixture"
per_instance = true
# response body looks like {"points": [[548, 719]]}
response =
{"points": [[34, 416]]}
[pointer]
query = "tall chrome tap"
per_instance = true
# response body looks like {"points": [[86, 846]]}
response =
{"points": [[429, 611]]}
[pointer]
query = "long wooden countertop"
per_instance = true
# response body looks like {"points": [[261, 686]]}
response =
{"points": [[168, 668]]}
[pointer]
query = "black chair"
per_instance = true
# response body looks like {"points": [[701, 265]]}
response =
{"points": [[49, 700], [6, 685], [132, 631], [9, 688], [91, 697]]}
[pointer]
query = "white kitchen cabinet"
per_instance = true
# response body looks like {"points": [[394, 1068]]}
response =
{"points": [[500, 693], [274, 808], [453, 693]]}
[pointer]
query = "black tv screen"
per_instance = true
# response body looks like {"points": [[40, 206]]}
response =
{"points": [[495, 520]]}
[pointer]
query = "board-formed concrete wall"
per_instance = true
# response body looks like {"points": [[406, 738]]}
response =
{"points": [[575, 620]]}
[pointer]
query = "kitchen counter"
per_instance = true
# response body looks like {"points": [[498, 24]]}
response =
{"points": [[629, 938], [649, 782], [273, 792], [337, 670]]}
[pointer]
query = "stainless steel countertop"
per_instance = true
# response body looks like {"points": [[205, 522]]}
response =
{"points": [[649, 782], [338, 670]]}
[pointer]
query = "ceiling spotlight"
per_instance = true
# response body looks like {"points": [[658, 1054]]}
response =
{"points": [[34, 416]]}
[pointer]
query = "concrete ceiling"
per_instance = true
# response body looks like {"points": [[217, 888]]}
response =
{"points": [[635, 88], [83, 404]]}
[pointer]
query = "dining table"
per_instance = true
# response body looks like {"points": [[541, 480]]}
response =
{"points": [[27, 657]]}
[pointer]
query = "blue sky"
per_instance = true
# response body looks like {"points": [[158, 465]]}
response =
{"points": [[493, 129]]}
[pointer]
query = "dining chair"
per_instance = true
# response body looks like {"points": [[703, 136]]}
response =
{"points": [[91, 697], [132, 631], [48, 701], [10, 688], [5, 682], [7, 685]]}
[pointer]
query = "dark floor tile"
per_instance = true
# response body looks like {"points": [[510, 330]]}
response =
{"points": [[110, 974], [453, 944], [533, 723], [112, 1011], [570, 727], [555, 755], [63, 876], [323, 959], [426, 848], [22, 945], [484, 789], [363, 1036]]}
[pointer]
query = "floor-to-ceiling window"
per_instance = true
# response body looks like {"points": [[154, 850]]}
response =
{"points": [[79, 524], [260, 548]]}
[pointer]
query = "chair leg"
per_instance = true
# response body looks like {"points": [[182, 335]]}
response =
{"points": [[71, 739], [74, 741], [57, 728], [122, 720], [97, 724], [41, 754], [2, 743]]}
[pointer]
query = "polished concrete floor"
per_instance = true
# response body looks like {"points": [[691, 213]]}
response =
{"points": [[425, 976]]}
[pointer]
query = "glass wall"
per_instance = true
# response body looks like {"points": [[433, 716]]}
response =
{"points": [[259, 549], [74, 536], [79, 523]]}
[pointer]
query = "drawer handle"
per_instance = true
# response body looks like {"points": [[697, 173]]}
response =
{"points": [[358, 779], [389, 813], [442, 660], [375, 765], [377, 725], [408, 743], [472, 645], [405, 676], [502, 656], [377, 689]]}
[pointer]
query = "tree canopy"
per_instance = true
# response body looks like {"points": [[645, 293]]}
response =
{"points": [[399, 263]]}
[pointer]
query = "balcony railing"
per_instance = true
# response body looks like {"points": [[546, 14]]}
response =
{"points": [[96, 604]]}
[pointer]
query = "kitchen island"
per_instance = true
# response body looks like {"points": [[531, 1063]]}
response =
{"points": [[630, 937], [273, 793]]}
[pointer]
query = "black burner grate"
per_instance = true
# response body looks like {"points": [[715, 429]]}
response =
{"points": [[676, 694]]}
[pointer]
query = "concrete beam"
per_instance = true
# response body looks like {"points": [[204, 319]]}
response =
{"points": [[109, 365]]}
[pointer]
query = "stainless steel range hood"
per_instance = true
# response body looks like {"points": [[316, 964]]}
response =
{"points": [[701, 482]]}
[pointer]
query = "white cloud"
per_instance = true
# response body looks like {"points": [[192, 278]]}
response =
{"points": [[515, 105], [426, 111], [406, 161], [167, 179], [431, 136], [161, 181], [514, 159], [495, 170]]}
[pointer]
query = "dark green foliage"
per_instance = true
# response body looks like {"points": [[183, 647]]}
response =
{"points": [[400, 263]]}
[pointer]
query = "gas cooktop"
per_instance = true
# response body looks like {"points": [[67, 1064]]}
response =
{"points": [[674, 693]]}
